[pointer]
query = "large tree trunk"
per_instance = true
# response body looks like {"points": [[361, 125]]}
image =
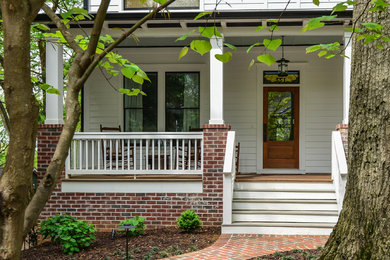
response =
{"points": [[23, 111], [363, 229]]}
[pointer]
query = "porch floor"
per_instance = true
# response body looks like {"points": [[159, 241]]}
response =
{"points": [[253, 177]]}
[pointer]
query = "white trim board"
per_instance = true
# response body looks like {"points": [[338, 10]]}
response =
{"points": [[132, 187]]}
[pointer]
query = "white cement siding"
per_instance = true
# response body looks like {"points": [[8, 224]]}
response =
{"points": [[320, 111], [240, 108], [323, 111], [103, 105], [230, 5], [320, 93]]}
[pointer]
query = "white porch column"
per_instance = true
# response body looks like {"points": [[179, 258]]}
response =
{"points": [[347, 75], [216, 82], [54, 77]]}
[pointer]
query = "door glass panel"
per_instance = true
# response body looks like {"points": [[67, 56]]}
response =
{"points": [[280, 116]]}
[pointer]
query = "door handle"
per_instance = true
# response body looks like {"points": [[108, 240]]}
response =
{"points": [[265, 132]]}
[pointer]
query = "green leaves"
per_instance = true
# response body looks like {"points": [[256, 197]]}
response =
{"points": [[183, 52], [317, 22], [330, 49], [200, 46], [71, 233], [316, 2], [266, 59], [227, 56], [182, 38], [253, 45], [202, 14], [209, 32], [272, 45]]}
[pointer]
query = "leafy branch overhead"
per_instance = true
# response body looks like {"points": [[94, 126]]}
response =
{"points": [[369, 32]]}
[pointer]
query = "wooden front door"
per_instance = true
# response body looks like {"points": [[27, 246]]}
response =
{"points": [[281, 127]]}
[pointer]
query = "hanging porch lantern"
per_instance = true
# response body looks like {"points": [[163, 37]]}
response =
{"points": [[283, 63]]}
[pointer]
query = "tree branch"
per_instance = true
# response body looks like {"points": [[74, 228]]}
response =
{"points": [[96, 61], [97, 28], [61, 26]]}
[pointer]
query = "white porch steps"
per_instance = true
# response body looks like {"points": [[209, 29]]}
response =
{"points": [[283, 208]]}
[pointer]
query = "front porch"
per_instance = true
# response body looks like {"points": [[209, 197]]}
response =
{"points": [[158, 168]]}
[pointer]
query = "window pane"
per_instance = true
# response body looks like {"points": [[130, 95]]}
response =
{"points": [[180, 120], [182, 92], [151, 3], [140, 110], [280, 116]]}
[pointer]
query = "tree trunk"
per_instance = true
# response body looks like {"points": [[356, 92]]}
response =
{"points": [[363, 229], [23, 111]]}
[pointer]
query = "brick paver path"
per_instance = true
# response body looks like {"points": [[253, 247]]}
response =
{"points": [[248, 246]]}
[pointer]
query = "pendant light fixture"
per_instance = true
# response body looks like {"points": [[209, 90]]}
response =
{"points": [[283, 63]]}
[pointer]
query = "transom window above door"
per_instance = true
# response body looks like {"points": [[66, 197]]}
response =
{"points": [[179, 92]]}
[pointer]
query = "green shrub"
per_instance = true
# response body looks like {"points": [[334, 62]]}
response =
{"points": [[71, 233], [277, 254], [137, 222], [189, 221]]}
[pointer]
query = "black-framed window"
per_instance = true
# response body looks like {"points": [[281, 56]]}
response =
{"points": [[178, 4], [140, 112], [182, 101]]}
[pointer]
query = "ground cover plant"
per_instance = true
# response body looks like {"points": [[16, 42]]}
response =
{"points": [[137, 222], [155, 244]]}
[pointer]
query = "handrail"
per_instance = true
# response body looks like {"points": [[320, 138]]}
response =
{"points": [[124, 153], [339, 168], [229, 175]]}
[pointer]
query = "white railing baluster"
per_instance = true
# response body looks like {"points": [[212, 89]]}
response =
{"points": [[158, 154], [147, 153], [74, 165], [148, 149], [116, 154], [183, 154], [170, 153], [189, 154], [86, 154], [105, 154], [123, 153], [110, 160], [135, 154], [196, 155], [128, 154], [165, 154], [177, 154], [98, 153], [81, 154], [93, 154], [140, 154]]}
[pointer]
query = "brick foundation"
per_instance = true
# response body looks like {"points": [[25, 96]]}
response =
{"points": [[343, 129], [106, 210]]}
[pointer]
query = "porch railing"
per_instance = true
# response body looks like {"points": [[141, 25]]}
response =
{"points": [[229, 175], [339, 168], [135, 153]]}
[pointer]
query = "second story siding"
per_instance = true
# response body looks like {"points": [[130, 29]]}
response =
{"points": [[120, 6]]}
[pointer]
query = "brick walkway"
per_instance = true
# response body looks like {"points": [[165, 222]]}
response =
{"points": [[248, 246]]}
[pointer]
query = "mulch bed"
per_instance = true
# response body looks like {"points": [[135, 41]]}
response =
{"points": [[296, 254], [154, 244]]}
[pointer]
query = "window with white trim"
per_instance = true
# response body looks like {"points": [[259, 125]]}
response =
{"points": [[181, 97]]}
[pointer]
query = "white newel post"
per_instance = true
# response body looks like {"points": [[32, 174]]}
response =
{"points": [[54, 77], [216, 82], [347, 75]]}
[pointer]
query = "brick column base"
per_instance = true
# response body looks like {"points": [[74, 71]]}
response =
{"points": [[343, 129]]}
